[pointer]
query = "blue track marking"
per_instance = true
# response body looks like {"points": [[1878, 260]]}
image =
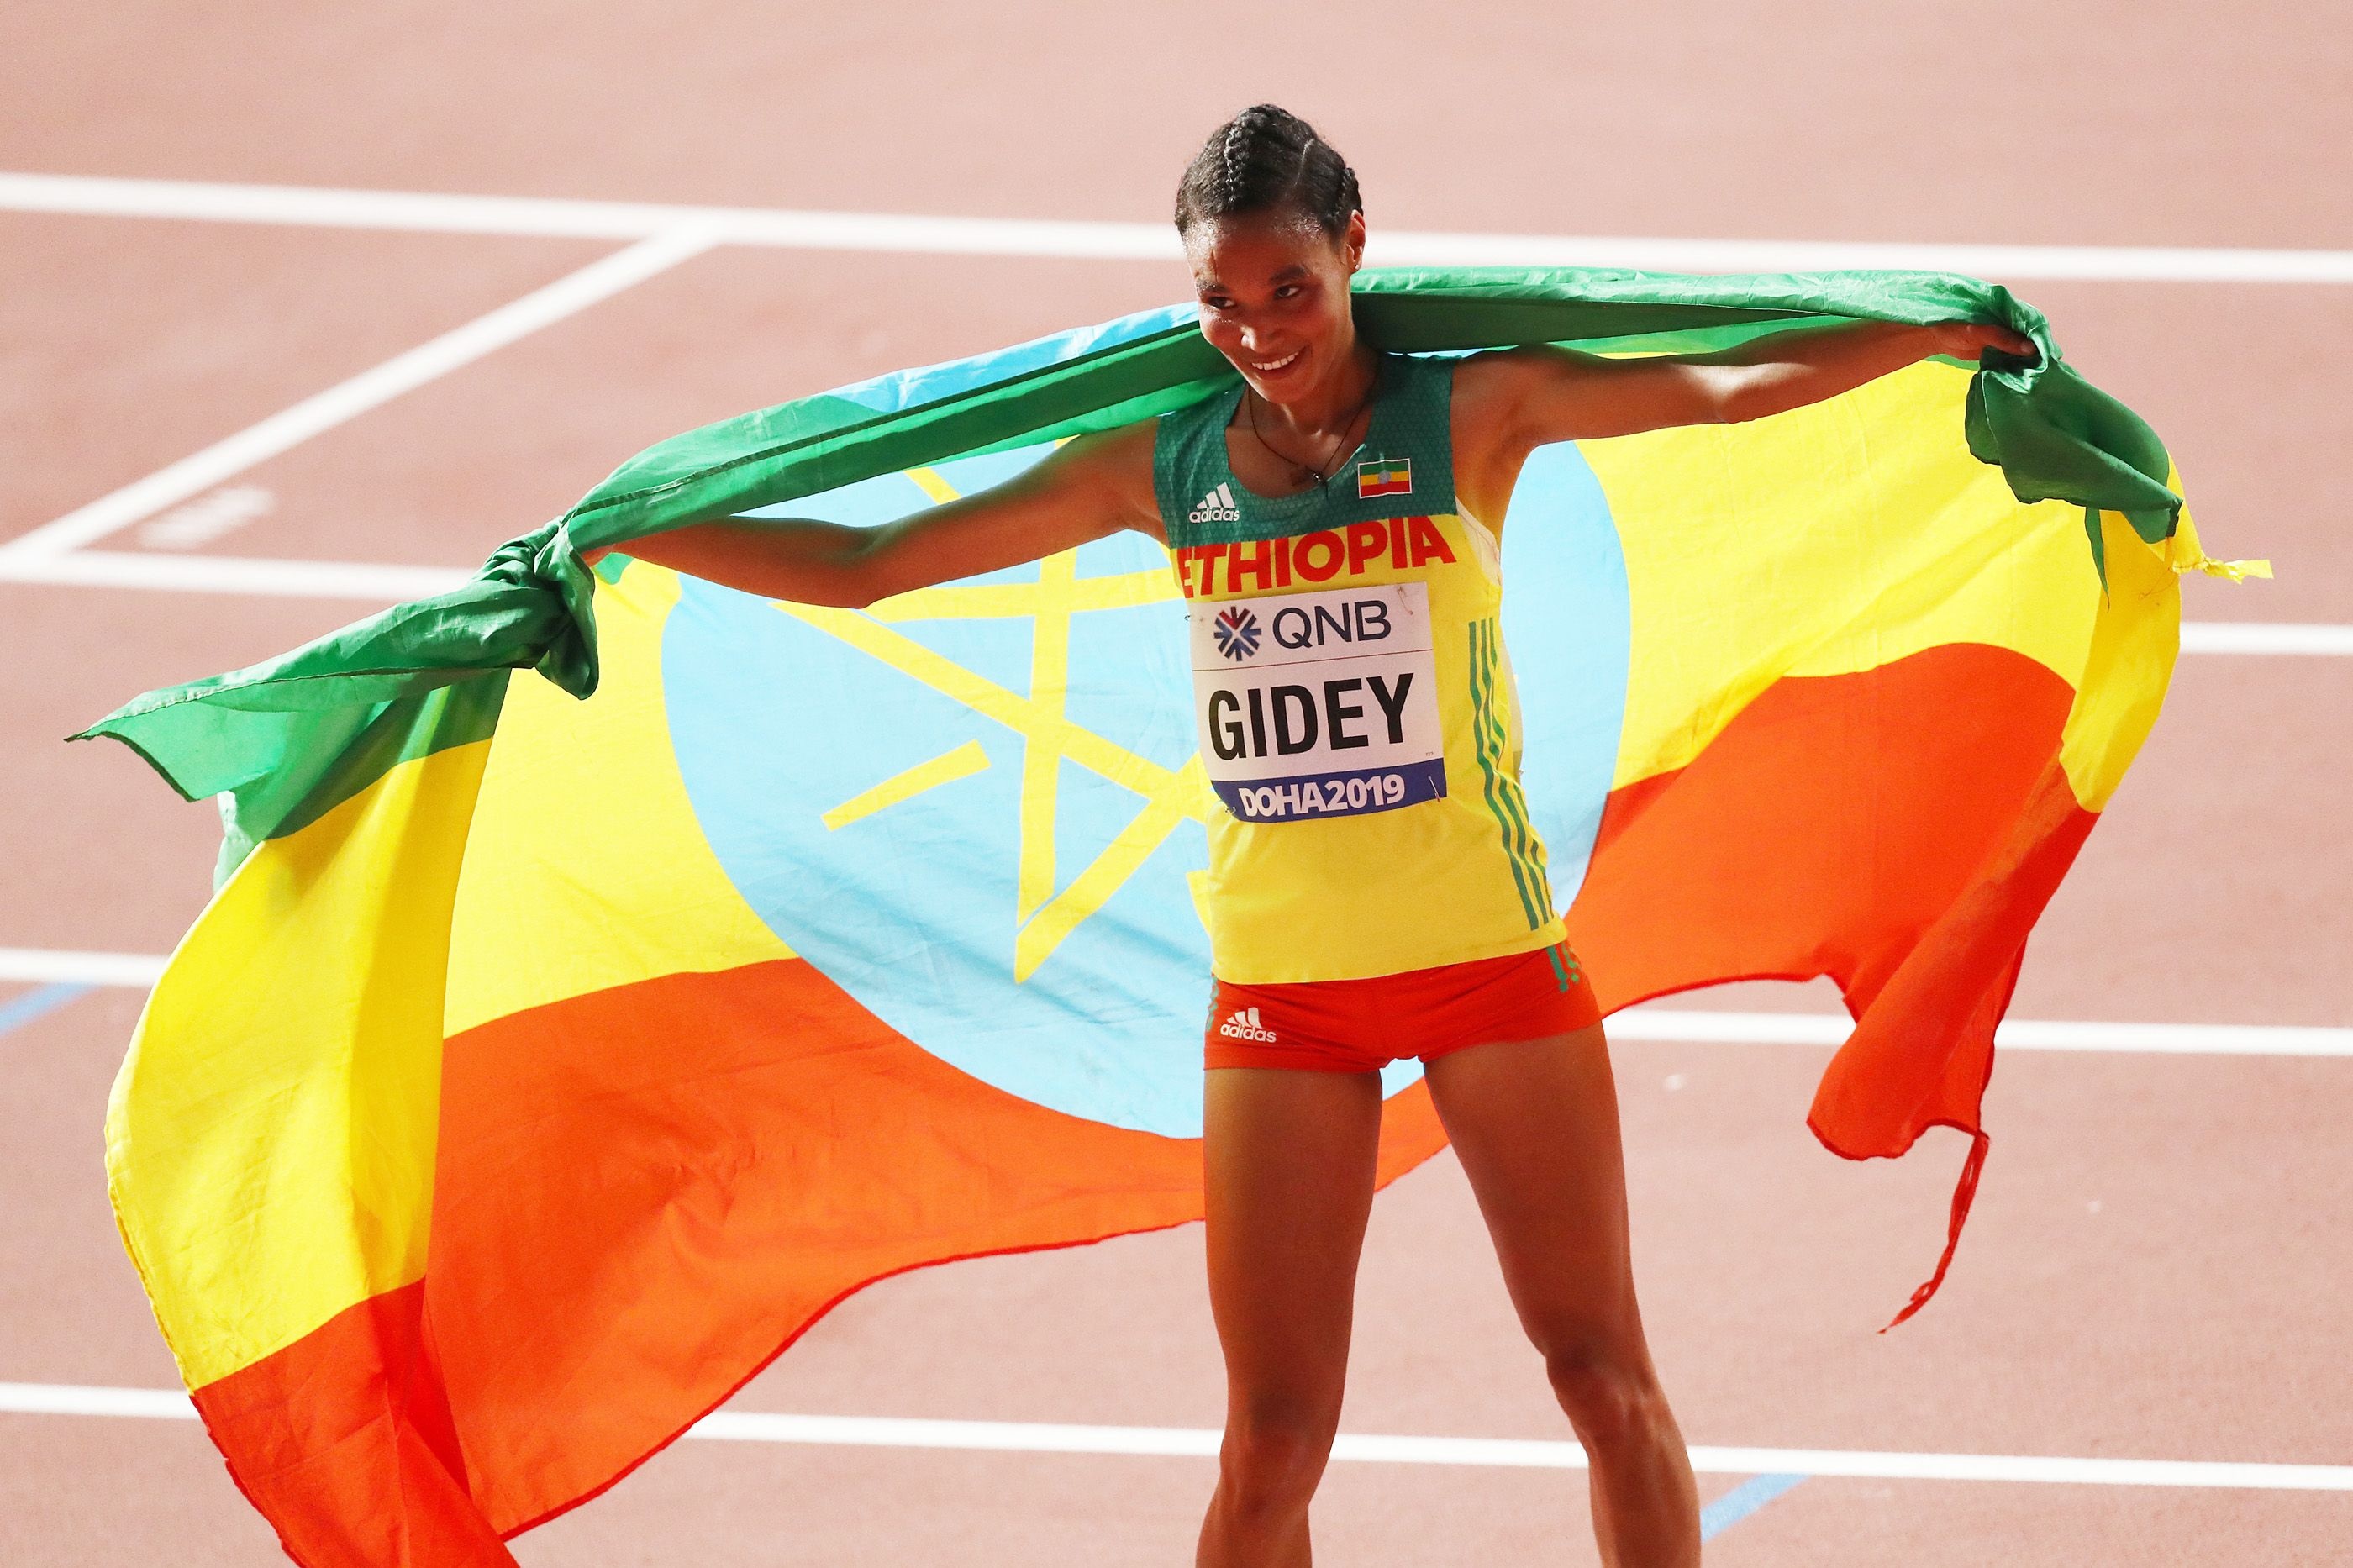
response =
{"points": [[1740, 1502], [23, 1009]]}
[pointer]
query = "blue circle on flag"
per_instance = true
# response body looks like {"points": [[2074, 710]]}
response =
{"points": [[902, 806]]}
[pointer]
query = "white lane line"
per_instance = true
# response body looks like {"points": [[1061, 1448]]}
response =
{"points": [[384, 584], [1200, 1442], [209, 518], [554, 218], [2175, 1039], [1510, 1453], [2265, 636], [35, 965], [289, 427], [84, 1399], [2077, 263], [377, 584], [49, 966], [1665, 1023]]}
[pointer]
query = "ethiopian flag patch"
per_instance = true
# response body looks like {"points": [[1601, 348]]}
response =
{"points": [[1384, 477]]}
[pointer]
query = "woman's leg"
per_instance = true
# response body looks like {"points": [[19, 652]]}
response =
{"points": [[1536, 1126], [1290, 1156]]}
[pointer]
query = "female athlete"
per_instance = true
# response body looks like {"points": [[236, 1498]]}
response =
{"points": [[1375, 889]]}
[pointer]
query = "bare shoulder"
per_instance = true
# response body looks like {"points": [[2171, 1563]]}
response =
{"points": [[1123, 452], [1493, 392], [1501, 381], [1500, 371], [1115, 465], [1509, 401]]}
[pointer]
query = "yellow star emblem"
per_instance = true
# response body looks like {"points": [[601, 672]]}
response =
{"points": [[1043, 917]]}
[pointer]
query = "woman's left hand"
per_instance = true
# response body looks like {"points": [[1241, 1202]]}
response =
{"points": [[1964, 339]]}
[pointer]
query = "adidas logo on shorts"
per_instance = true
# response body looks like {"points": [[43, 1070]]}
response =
{"points": [[1244, 1026], [1218, 506]]}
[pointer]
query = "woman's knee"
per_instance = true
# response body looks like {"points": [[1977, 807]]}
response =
{"points": [[1609, 1393], [1274, 1452]]}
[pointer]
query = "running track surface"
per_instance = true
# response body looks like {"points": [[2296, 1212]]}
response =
{"points": [[2157, 1266]]}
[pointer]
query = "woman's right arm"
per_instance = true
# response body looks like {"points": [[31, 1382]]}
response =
{"points": [[1092, 487]]}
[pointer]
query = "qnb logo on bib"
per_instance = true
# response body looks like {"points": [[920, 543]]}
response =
{"points": [[1236, 631], [1328, 709]]}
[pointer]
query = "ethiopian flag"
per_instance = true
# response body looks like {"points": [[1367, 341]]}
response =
{"points": [[1384, 477], [609, 972]]}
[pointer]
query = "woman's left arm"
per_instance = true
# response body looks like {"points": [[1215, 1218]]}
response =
{"points": [[1562, 395], [1507, 403]]}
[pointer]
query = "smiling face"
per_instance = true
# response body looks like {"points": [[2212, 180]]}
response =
{"points": [[1273, 289]]}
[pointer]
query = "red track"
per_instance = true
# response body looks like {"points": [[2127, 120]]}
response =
{"points": [[2158, 1264]]}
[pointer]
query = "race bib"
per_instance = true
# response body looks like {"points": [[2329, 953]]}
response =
{"points": [[1318, 704]]}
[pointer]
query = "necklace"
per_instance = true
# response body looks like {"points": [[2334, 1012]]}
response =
{"points": [[1305, 474]]}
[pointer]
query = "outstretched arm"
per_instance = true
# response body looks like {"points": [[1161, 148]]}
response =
{"points": [[1508, 404], [1094, 486], [1557, 395]]}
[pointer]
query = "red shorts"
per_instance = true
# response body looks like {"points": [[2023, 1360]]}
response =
{"points": [[1362, 1025]]}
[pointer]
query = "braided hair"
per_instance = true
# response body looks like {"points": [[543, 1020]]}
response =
{"points": [[1268, 160]]}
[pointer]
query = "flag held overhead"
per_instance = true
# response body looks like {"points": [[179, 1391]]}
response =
{"points": [[559, 1046]]}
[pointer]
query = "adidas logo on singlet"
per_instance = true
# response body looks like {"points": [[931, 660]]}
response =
{"points": [[1218, 506], [1244, 1026]]}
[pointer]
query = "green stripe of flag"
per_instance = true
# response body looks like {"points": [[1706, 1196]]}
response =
{"points": [[2053, 433]]}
